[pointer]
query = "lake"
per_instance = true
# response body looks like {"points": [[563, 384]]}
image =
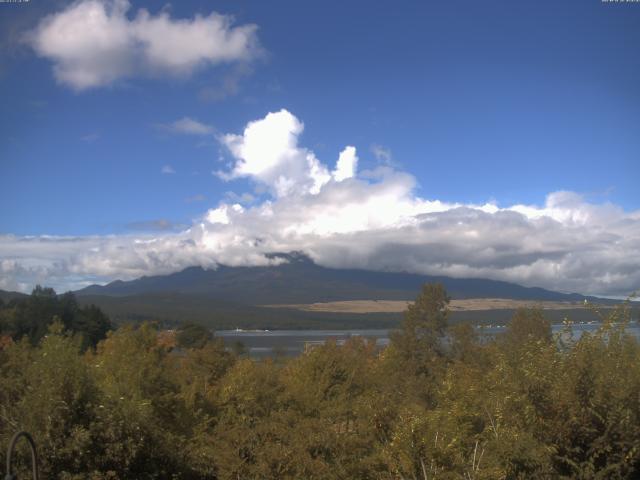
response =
{"points": [[266, 343]]}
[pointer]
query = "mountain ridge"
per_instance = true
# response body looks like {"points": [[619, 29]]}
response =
{"points": [[300, 280], [7, 295]]}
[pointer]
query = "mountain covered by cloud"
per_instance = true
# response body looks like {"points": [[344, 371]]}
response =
{"points": [[345, 218]]}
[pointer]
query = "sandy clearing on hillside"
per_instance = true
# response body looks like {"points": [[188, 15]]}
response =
{"points": [[393, 306]]}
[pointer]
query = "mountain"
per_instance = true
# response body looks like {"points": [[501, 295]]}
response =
{"points": [[230, 297], [299, 280], [6, 296]]}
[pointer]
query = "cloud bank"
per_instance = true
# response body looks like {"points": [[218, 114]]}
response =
{"points": [[342, 217], [94, 43]]}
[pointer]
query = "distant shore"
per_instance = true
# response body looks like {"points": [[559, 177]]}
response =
{"points": [[463, 305]]}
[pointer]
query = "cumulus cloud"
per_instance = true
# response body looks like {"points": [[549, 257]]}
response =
{"points": [[268, 153], [348, 219], [347, 164], [94, 43]]}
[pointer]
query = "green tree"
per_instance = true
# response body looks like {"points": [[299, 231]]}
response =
{"points": [[417, 351], [54, 403], [141, 424], [528, 325], [596, 421], [31, 317], [193, 335], [464, 344]]}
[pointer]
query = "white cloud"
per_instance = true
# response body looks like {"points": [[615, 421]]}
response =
{"points": [[167, 170], [268, 153], [94, 43], [188, 126], [374, 220], [222, 213], [347, 164]]}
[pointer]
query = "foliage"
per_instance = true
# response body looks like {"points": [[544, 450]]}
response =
{"points": [[193, 335], [439, 403], [417, 349], [528, 324], [31, 316]]}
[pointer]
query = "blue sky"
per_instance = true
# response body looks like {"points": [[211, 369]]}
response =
{"points": [[479, 102]]}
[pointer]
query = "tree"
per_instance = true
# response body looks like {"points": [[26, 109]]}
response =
{"points": [[32, 316], [419, 340], [141, 421], [464, 343], [55, 403], [193, 335], [527, 325], [92, 324]]}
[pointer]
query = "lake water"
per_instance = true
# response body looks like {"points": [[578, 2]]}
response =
{"points": [[265, 343]]}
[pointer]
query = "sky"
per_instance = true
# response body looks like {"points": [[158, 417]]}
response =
{"points": [[488, 139]]}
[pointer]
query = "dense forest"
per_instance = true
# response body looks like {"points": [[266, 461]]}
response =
{"points": [[437, 403], [31, 316]]}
